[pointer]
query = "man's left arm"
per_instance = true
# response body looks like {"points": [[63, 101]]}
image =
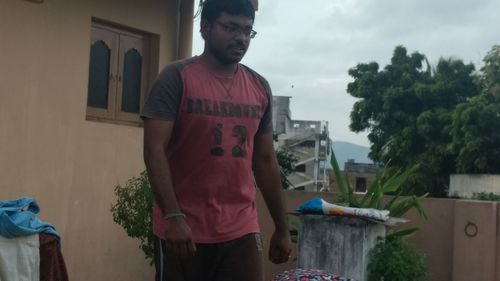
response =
{"points": [[267, 177]]}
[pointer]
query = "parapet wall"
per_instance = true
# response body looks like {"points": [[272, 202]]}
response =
{"points": [[460, 237]]}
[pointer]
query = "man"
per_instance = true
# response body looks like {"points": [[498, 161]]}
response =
{"points": [[207, 125]]}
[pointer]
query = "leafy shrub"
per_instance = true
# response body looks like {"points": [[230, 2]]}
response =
{"points": [[387, 182], [286, 160], [132, 211], [484, 196], [393, 259]]}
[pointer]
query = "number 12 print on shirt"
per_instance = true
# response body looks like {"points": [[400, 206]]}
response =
{"points": [[239, 135]]}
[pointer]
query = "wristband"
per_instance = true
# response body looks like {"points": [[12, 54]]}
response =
{"points": [[173, 215]]}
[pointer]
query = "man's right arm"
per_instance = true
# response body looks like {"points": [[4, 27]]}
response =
{"points": [[157, 134]]}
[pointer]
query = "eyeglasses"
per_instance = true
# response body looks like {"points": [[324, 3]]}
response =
{"points": [[237, 30]]}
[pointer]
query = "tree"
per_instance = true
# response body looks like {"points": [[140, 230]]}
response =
{"points": [[489, 80], [286, 161], [476, 123], [407, 108]]}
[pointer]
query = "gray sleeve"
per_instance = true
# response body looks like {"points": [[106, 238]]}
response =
{"points": [[165, 96], [266, 123]]}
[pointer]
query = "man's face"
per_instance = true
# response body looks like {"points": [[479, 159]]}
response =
{"points": [[228, 37]]}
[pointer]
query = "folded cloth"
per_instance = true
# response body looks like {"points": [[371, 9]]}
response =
{"points": [[20, 258], [301, 274], [19, 218], [320, 206]]}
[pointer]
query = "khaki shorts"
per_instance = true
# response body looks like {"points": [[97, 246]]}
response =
{"points": [[239, 259]]}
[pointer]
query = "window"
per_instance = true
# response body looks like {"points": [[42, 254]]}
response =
{"points": [[300, 168], [308, 143], [118, 73], [361, 185]]}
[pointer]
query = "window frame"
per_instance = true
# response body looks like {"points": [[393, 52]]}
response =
{"points": [[361, 181], [120, 39]]}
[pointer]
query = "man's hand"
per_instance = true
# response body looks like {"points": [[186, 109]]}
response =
{"points": [[280, 247], [178, 237]]}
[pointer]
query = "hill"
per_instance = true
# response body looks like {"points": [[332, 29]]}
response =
{"points": [[346, 150]]}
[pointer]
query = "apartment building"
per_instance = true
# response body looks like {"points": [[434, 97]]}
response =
{"points": [[308, 140]]}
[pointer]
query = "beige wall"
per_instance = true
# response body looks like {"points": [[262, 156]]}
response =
{"points": [[435, 237], [47, 148]]}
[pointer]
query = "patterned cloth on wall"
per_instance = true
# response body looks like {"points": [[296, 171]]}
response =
{"points": [[309, 275]]}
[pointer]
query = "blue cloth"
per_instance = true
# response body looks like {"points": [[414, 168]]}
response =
{"points": [[313, 206], [19, 218]]}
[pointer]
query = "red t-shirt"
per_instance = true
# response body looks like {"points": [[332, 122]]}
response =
{"points": [[210, 151]]}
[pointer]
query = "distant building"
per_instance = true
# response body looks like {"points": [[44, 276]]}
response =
{"points": [[281, 114], [360, 175], [308, 141]]}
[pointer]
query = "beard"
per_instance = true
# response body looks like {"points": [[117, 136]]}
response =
{"points": [[223, 56]]}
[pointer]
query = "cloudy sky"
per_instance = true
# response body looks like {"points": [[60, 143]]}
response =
{"points": [[305, 47]]}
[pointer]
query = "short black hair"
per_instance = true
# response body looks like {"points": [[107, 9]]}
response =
{"points": [[213, 8]]}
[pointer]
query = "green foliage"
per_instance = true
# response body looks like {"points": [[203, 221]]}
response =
{"points": [[490, 78], [408, 110], [484, 196], [388, 182], [476, 123], [341, 182], [476, 135], [286, 161], [293, 226], [393, 259], [132, 211]]}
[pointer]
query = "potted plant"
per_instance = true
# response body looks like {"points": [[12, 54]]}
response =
{"points": [[318, 235]]}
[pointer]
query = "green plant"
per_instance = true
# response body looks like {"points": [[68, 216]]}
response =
{"points": [[132, 211], [286, 161], [388, 182], [484, 196], [293, 226], [393, 259]]}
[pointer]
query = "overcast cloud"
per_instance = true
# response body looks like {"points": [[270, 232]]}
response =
{"points": [[311, 44]]}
